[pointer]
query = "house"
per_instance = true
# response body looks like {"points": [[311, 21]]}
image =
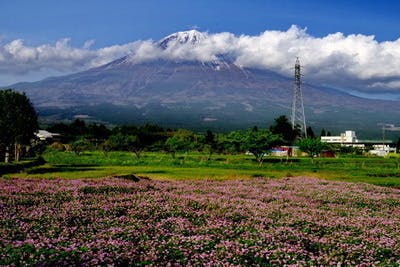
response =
{"points": [[382, 150], [44, 135]]}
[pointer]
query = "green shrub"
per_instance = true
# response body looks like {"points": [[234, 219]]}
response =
{"points": [[58, 146]]}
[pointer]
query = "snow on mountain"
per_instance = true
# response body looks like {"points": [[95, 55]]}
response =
{"points": [[184, 46], [189, 41], [191, 37]]}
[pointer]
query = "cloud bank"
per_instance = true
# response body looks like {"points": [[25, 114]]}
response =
{"points": [[356, 61], [20, 62]]}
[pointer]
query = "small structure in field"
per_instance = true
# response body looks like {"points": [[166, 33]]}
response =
{"points": [[44, 135], [284, 151], [382, 150]]}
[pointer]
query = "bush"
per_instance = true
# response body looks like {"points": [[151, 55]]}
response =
{"points": [[58, 146], [20, 166], [393, 155], [81, 145]]}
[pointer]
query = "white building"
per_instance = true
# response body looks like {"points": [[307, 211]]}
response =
{"points": [[382, 150], [44, 135], [348, 137]]}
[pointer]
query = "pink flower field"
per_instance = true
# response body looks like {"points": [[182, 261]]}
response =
{"points": [[260, 222]]}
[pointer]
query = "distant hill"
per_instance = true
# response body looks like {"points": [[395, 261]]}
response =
{"points": [[187, 93]]}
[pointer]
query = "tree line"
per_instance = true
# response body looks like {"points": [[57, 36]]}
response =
{"points": [[19, 121], [80, 136]]}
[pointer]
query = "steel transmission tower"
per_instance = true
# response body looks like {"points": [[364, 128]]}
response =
{"points": [[298, 119]]}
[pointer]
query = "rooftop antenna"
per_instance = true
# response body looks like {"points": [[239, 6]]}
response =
{"points": [[297, 118]]}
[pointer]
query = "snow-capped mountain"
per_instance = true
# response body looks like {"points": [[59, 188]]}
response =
{"points": [[177, 47], [195, 93], [191, 37]]}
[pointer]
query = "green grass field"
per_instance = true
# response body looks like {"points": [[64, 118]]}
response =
{"points": [[157, 165]]}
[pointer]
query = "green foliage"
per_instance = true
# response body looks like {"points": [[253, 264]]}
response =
{"points": [[256, 141], [150, 136], [312, 146], [393, 155], [209, 138], [232, 142], [181, 141], [347, 150], [80, 145], [225, 157], [120, 142], [134, 144], [18, 120], [259, 142], [116, 142], [58, 146], [17, 167], [208, 143], [78, 129], [310, 132], [283, 127], [398, 145]]}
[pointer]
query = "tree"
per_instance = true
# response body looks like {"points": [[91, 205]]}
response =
{"points": [[182, 140], [256, 141], [310, 132], [80, 145], [312, 146], [232, 142], [78, 128], [349, 150], [134, 144], [259, 142], [18, 121], [115, 142], [283, 127], [98, 131], [323, 132], [122, 142], [152, 137], [209, 143]]}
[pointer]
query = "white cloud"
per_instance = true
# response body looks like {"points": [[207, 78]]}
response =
{"points": [[19, 62], [357, 61], [387, 85]]}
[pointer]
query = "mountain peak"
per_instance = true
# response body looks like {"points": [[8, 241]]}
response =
{"points": [[192, 37]]}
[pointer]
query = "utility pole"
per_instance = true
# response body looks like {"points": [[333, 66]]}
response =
{"points": [[387, 127], [298, 118]]}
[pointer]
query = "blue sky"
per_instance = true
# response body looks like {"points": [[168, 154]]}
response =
{"points": [[113, 22], [45, 38]]}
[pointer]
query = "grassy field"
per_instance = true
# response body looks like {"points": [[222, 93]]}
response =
{"points": [[156, 165]]}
